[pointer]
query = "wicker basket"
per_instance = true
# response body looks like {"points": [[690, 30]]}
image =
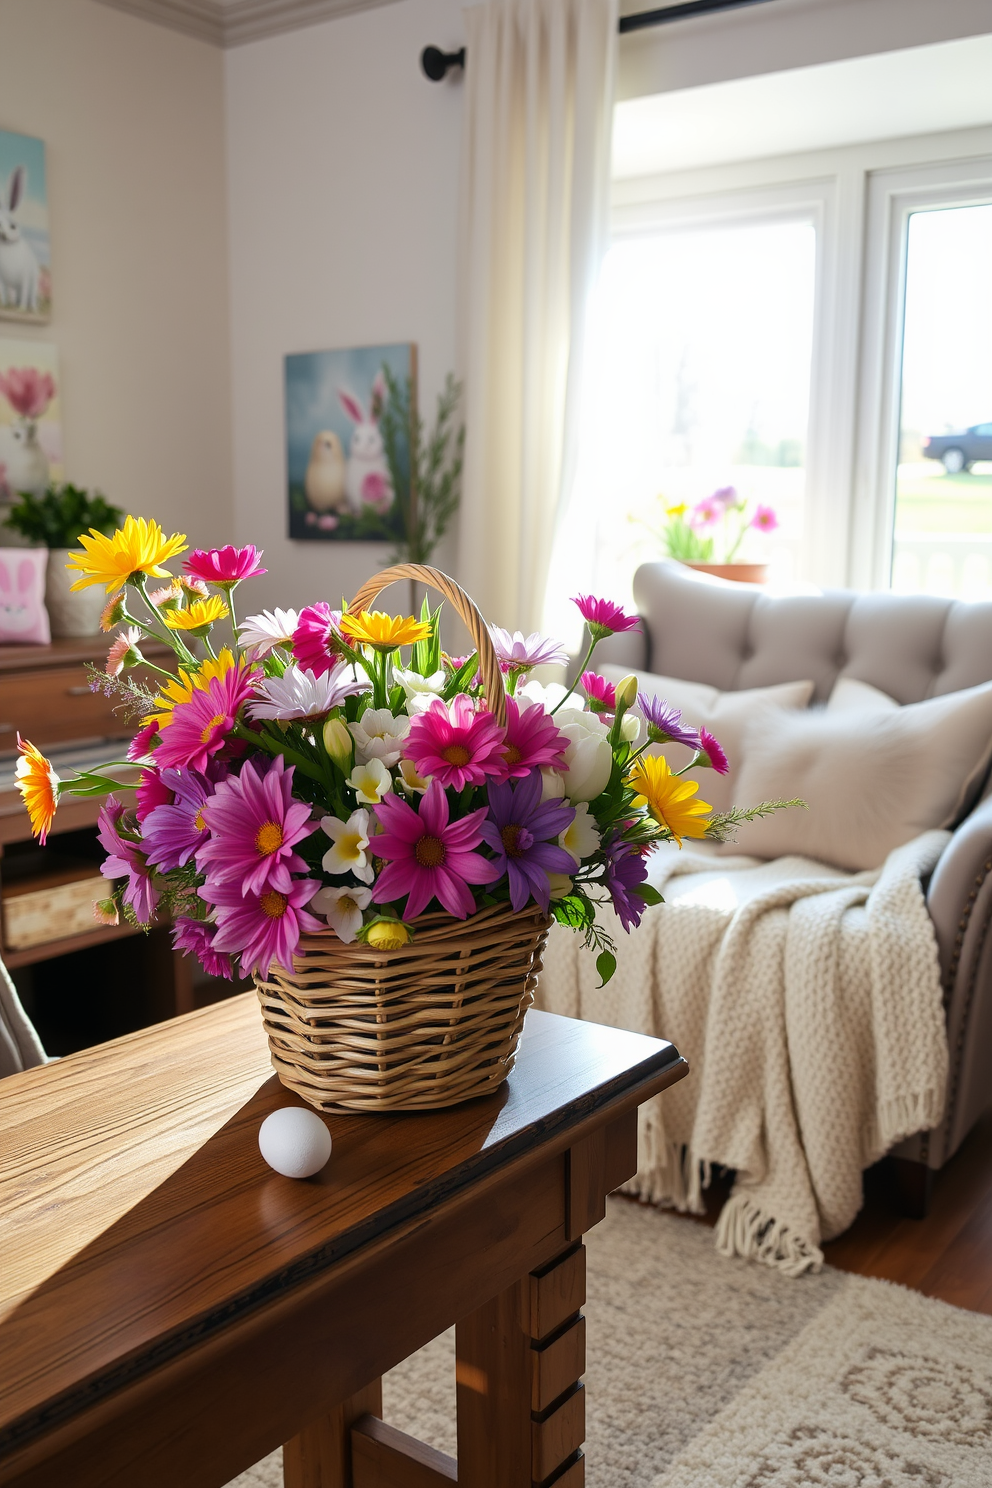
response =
{"points": [[436, 1022]]}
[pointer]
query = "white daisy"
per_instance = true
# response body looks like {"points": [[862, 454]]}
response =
{"points": [[371, 781], [301, 694], [349, 841], [379, 735], [342, 909], [260, 634], [581, 838]]}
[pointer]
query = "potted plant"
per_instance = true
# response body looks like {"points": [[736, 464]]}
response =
{"points": [[55, 521], [709, 535]]}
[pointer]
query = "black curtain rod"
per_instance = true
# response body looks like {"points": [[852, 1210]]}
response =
{"points": [[436, 63]]}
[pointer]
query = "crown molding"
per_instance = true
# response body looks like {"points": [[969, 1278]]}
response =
{"points": [[227, 23]]}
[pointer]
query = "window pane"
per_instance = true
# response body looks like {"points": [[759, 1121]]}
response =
{"points": [[943, 517], [699, 365]]}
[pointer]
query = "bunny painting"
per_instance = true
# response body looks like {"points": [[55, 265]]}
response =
{"points": [[23, 616], [338, 474], [25, 275]]}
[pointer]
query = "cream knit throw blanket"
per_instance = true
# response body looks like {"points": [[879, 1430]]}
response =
{"points": [[808, 1004]]}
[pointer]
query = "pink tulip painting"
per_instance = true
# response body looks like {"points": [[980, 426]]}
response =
{"points": [[28, 390]]}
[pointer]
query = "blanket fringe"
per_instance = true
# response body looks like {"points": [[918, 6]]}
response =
{"points": [[745, 1230], [899, 1117], [668, 1174]]}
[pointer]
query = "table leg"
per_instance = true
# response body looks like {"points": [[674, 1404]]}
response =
{"points": [[320, 1456], [521, 1408]]}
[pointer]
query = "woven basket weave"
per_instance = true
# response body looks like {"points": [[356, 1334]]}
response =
{"points": [[428, 1025]]}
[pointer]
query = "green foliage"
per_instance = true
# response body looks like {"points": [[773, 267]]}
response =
{"points": [[684, 543], [721, 828], [57, 519], [428, 491]]}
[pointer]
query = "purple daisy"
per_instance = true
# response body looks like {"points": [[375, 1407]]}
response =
{"points": [[316, 642], [665, 722], [125, 860], [602, 695], [174, 831], [196, 938], [603, 617], [625, 871], [518, 653], [714, 751], [254, 825], [517, 829], [263, 927], [428, 856]]}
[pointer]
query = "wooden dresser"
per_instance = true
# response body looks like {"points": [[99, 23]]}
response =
{"points": [[46, 916]]}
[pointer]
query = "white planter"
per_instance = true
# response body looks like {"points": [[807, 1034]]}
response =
{"points": [[71, 614]]}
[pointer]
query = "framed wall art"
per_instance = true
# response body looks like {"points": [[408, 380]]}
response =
{"points": [[30, 419], [25, 253], [340, 488]]}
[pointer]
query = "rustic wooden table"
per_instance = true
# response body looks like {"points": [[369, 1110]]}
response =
{"points": [[171, 1309]]}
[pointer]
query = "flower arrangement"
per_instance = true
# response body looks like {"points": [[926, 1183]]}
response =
{"points": [[335, 770], [713, 530]]}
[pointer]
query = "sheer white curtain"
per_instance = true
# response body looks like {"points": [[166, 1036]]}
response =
{"points": [[535, 182]]}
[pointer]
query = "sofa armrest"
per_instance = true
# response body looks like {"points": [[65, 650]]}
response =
{"points": [[628, 649], [960, 903]]}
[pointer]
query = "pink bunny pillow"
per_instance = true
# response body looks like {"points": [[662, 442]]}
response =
{"points": [[23, 616]]}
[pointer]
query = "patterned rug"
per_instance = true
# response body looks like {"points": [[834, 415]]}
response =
{"points": [[713, 1373]]}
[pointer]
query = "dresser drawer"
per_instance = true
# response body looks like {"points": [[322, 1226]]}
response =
{"points": [[54, 705]]}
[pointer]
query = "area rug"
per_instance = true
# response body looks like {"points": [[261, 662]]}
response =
{"points": [[706, 1372]]}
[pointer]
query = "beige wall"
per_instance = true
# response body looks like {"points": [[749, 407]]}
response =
{"points": [[133, 119]]}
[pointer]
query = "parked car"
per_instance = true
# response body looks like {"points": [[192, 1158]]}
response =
{"points": [[960, 450]]}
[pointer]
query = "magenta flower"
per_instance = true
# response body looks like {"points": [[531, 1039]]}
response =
{"points": [[602, 695], [27, 390], [533, 741], [603, 617], [714, 752], [151, 791], [196, 938], [706, 513], [201, 726], [454, 743], [254, 825], [764, 519], [518, 830], [227, 565], [665, 722], [264, 927], [429, 857], [125, 861], [141, 744], [316, 642], [518, 652], [175, 830], [626, 870]]}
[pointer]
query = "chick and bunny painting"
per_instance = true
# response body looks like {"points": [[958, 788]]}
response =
{"points": [[339, 481]]}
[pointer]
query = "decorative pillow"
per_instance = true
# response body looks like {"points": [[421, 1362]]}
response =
{"points": [[725, 714], [23, 616], [871, 782], [851, 696]]}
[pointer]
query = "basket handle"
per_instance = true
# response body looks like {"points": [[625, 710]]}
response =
{"points": [[467, 609]]}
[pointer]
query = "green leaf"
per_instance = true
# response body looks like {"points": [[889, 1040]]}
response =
{"points": [[606, 965], [648, 894]]}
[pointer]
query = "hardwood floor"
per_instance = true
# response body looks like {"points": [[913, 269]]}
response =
{"points": [[947, 1255]]}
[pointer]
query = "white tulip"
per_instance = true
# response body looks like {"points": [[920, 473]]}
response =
{"points": [[589, 757], [552, 784], [630, 727], [560, 884]]}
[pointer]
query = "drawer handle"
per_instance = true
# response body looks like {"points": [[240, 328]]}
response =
{"points": [[77, 691]]}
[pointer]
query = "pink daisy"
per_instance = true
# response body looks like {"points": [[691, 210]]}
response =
{"points": [[125, 860], [603, 617], [142, 743], [533, 739], [714, 752], [264, 927], [705, 513], [316, 642], [764, 519], [429, 857], [196, 938], [254, 825], [151, 791], [224, 565], [123, 651], [518, 652], [455, 744], [201, 726], [602, 695]]}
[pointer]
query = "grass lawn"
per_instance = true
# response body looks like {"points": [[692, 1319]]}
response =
{"points": [[935, 502]]}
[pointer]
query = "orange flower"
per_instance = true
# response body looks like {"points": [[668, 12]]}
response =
{"points": [[39, 786]]}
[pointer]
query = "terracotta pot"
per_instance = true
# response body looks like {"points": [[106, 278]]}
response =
{"points": [[740, 573]]}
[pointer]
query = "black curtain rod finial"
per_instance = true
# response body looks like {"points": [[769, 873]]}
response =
{"points": [[436, 63]]}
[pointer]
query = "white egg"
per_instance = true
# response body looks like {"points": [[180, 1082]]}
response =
{"points": [[294, 1141]]}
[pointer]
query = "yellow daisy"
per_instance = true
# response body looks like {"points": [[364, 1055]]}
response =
{"points": [[139, 547], [383, 632], [181, 688], [200, 615], [668, 797], [38, 785]]}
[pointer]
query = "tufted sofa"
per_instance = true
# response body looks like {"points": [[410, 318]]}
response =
{"points": [[912, 647]]}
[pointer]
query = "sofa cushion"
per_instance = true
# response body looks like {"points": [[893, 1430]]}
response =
{"points": [[725, 714], [851, 696], [872, 779]]}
